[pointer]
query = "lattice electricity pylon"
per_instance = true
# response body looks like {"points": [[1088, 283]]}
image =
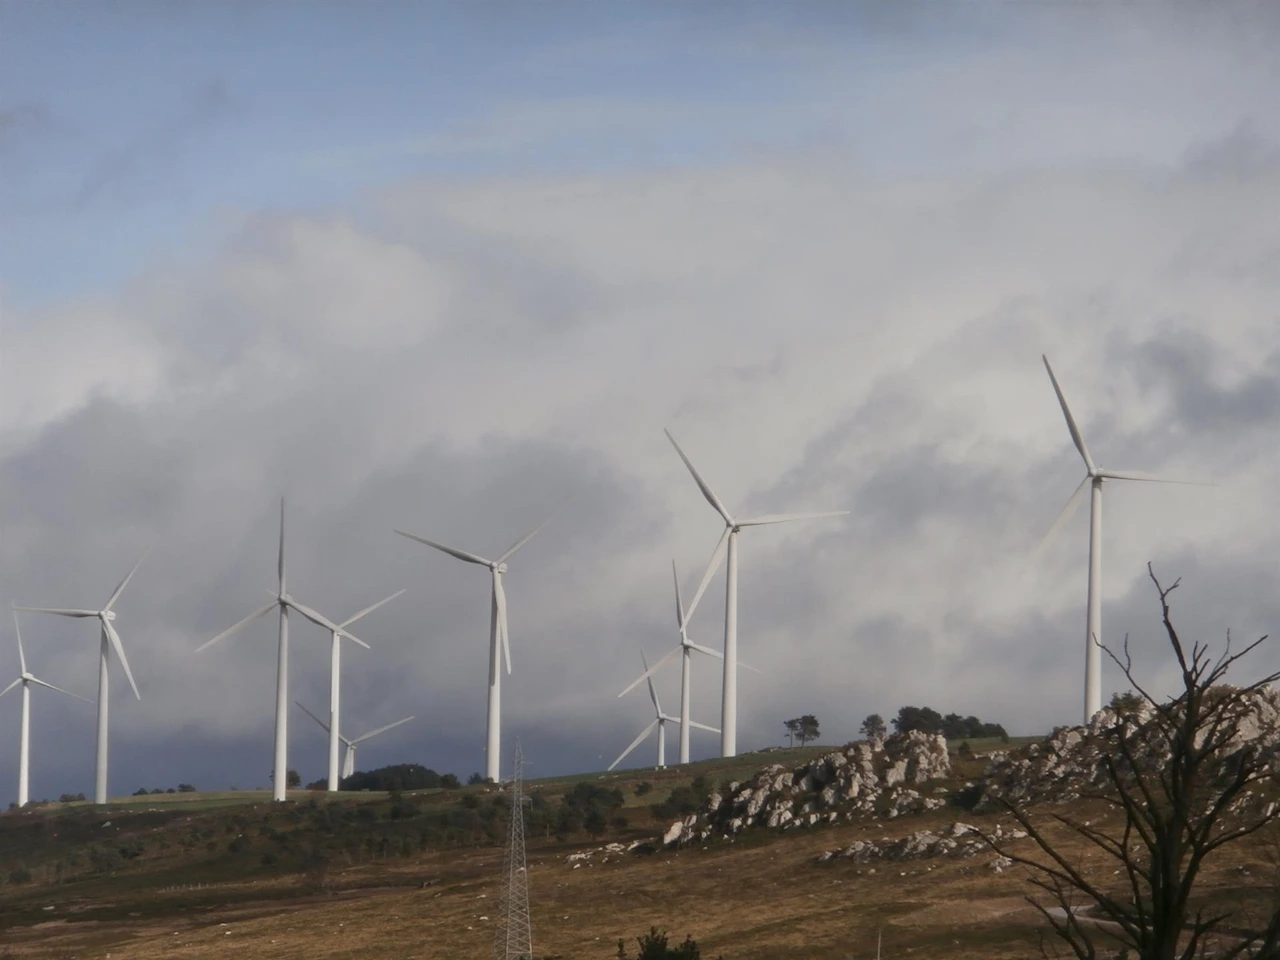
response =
{"points": [[513, 939]]}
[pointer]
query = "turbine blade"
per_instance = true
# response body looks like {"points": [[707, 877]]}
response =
{"points": [[634, 743], [703, 726], [650, 671], [653, 694], [1068, 509], [788, 517], [280, 563], [22, 657], [119, 648], [708, 651], [322, 621], [243, 623], [312, 715], [60, 611], [501, 597], [681, 619], [45, 683], [452, 551], [716, 556], [1149, 478], [747, 666], [10, 687], [129, 576], [1071, 421], [373, 733], [523, 540], [702, 484], [369, 609]]}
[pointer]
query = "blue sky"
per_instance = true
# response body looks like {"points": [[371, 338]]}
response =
{"points": [[134, 125], [444, 267]]}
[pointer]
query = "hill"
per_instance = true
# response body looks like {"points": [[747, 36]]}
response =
{"points": [[416, 875]]}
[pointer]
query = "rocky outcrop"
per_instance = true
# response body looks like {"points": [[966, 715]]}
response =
{"points": [[956, 840], [865, 779], [1072, 760]]}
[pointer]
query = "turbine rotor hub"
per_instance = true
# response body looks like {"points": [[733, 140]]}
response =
{"points": [[500, 568], [108, 614]]}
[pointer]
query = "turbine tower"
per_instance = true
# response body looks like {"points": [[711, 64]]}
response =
{"points": [[498, 636], [109, 640], [659, 722], [1093, 478], [728, 545], [513, 935], [26, 679], [686, 647], [349, 760], [335, 684], [283, 602]]}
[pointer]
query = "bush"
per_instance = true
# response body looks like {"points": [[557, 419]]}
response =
{"points": [[475, 779], [643, 787], [654, 945], [450, 781], [19, 874], [186, 788], [400, 776], [70, 797]]}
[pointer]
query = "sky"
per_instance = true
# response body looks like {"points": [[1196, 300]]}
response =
{"points": [[452, 268]]}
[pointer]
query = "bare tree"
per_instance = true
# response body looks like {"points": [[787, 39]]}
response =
{"points": [[1184, 776]]}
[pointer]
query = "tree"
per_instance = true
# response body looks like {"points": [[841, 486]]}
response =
{"points": [[873, 727], [793, 728], [1183, 775], [474, 779], [293, 779], [1126, 704], [808, 729], [924, 719], [803, 729]]}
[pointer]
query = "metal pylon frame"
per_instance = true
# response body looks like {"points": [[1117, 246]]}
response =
{"points": [[513, 938]]}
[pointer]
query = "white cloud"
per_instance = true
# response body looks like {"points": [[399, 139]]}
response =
{"points": [[463, 357]]}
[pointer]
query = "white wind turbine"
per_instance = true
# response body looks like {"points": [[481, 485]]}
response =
{"points": [[1094, 477], [349, 760], [26, 679], [335, 683], [498, 636], [686, 647], [659, 721], [109, 640], [729, 544], [280, 766]]}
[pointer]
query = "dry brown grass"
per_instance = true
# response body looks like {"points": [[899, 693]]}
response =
{"points": [[761, 898]]}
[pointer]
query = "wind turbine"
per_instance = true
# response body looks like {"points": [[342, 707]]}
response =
{"points": [[728, 544], [110, 640], [497, 636], [280, 768], [349, 760], [24, 743], [659, 721], [335, 682], [685, 646], [1093, 477]]}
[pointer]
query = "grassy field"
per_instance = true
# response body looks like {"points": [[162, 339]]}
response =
{"points": [[196, 885]]}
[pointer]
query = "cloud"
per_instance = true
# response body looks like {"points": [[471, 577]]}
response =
{"points": [[458, 359]]}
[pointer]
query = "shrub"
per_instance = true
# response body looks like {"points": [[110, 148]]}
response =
{"points": [[20, 874], [654, 945]]}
